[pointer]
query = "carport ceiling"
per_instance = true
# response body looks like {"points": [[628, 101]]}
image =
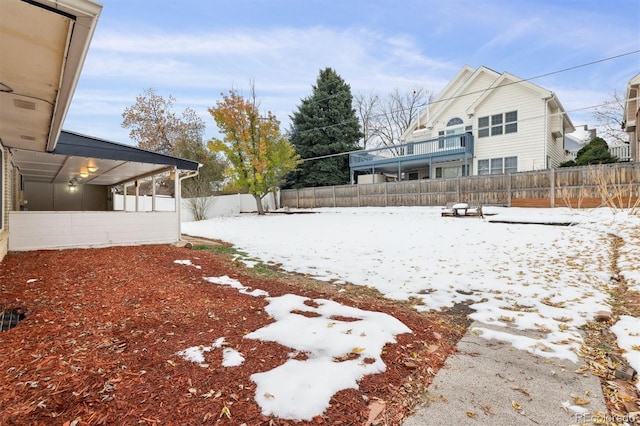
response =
{"points": [[92, 161], [59, 168]]}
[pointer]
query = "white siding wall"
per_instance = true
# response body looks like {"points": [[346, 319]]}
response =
{"points": [[528, 142], [56, 230], [458, 108], [555, 146]]}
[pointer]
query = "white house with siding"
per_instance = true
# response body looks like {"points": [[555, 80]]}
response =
{"points": [[632, 115], [482, 122]]}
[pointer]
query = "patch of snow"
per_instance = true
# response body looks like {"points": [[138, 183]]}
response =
{"points": [[187, 262], [231, 358], [339, 353], [232, 282]]}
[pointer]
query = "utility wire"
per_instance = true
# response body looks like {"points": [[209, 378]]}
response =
{"points": [[610, 58], [558, 114]]}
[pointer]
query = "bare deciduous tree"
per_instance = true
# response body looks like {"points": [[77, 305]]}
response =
{"points": [[366, 108], [384, 121], [610, 116]]}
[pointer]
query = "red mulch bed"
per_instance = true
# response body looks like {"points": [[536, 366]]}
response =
{"points": [[102, 328]]}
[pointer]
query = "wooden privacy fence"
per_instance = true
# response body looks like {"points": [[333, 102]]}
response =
{"points": [[590, 186]]}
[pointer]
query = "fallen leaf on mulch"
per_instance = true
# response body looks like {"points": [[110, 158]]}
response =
{"points": [[103, 327]]}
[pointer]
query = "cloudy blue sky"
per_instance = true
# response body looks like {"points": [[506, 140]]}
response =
{"points": [[195, 49]]}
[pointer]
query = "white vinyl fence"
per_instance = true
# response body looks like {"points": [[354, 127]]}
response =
{"points": [[228, 205]]}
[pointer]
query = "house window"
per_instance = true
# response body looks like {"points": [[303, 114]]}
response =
{"points": [[438, 172], [454, 127], [483, 167], [511, 164], [483, 127], [496, 166], [511, 122], [465, 170], [441, 139], [454, 122], [498, 124], [410, 149]]}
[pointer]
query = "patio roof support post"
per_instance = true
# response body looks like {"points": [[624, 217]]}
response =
{"points": [[178, 196], [137, 185], [399, 171], [153, 193], [351, 176], [430, 167], [177, 199], [124, 199]]}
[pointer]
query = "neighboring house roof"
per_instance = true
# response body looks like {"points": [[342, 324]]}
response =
{"points": [[465, 78], [632, 103], [104, 162]]}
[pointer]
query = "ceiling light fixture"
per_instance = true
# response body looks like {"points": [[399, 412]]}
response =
{"points": [[92, 169], [72, 185], [84, 174]]}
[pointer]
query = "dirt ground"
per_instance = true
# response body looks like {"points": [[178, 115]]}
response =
{"points": [[102, 327]]}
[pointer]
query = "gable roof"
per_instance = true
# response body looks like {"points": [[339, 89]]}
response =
{"points": [[632, 103], [506, 79], [112, 163], [455, 89]]}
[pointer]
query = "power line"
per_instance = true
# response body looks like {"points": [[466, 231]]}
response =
{"points": [[427, 104], [558, 114]]}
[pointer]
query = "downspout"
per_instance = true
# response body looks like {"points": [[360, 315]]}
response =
{"points": [[546, 130], [188, 175]]}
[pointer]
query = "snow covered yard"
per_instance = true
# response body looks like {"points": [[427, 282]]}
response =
{"points": [[549, 279]]}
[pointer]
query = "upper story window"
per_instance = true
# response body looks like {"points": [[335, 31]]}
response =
{"points": [[455, 126], [498, 124]]}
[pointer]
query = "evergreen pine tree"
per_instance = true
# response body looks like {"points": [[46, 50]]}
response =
{"points": [[325, 124]]}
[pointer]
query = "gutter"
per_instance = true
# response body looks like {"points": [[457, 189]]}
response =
{"points": [[85, 14]]}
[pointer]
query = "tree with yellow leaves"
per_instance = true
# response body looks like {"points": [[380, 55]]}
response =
{"points": [[260, 155]]}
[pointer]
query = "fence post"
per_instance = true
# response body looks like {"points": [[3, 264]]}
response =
{"points": [[333, 189], [358, 194], [458, 189], [386, 195], [552, 194], [297, 198], [508, 189]]}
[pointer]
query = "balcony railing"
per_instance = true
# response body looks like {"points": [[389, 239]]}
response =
{"points": [[444, 146]]}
